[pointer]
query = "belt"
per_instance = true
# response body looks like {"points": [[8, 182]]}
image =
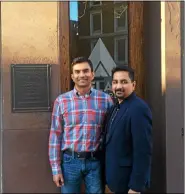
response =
{"points": [[81, 155]]}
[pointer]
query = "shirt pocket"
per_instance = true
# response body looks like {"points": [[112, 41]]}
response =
{"points": [[96, 117], [73, 117]]}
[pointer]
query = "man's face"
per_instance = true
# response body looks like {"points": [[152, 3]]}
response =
{"points": [[82, 75], [122, 86]]}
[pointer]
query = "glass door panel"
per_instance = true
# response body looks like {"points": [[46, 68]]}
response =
{"points": [[99, 31]]}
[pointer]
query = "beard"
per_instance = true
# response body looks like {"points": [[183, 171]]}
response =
{"points": [[119, 93]]}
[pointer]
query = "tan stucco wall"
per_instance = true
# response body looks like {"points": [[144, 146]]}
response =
{"points": [[174, 100], [173, 40], [29, 35], [29, 32]]}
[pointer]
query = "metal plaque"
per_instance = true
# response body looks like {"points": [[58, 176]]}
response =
{"points": [[30, 87]]}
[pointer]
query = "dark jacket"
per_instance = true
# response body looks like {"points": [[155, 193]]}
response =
{"points": [[129, 146]]}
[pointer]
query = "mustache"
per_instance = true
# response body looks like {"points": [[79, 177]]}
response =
{"points": [[119, 90]]}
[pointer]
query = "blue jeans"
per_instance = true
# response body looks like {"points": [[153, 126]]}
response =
{"points": [[75, 170]]}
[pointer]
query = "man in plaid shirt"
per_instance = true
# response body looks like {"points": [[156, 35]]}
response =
{"points": [[77, 122]]}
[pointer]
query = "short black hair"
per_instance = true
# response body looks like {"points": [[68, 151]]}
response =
{"points": [[124, 68], [81, 60]]}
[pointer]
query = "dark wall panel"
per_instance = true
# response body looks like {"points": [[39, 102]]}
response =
{"points": [[26, 167], [174, 106], [155, 97]]}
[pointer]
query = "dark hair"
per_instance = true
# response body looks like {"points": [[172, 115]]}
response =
{"points": [[124, 68], [81, 60]]}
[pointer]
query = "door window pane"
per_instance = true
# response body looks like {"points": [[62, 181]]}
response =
{"points": [[120, 16], [120, 51], [96, 22], [95, 3], [120, 20]]}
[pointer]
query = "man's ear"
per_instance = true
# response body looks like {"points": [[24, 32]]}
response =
{"points": [[93, 75], [134, 84], [72, 77]]}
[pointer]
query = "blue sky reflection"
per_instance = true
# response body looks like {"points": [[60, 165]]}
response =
{"points": [[73, 10]]}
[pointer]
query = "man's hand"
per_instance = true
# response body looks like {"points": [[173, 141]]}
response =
{"points": [[131, 191], [58, 180]]}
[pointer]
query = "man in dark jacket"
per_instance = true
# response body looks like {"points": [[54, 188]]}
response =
{"points": [[129, 137]]}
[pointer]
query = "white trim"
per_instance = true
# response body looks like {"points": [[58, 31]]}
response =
{"points": [[91, 22], [91, 5], [116, 50], [105, 35], [120, 29]]}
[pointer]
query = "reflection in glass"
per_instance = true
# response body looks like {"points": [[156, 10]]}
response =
{"points": [[98, 29], [96, 23], [120, 52], [120, 48], [93, 43], [94, 3]]}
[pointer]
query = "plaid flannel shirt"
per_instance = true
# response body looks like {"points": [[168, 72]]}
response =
{"points": [[76, 124]]}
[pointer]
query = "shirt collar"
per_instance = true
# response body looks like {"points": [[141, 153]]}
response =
{"points": [[133, 94], [86, 95]]}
